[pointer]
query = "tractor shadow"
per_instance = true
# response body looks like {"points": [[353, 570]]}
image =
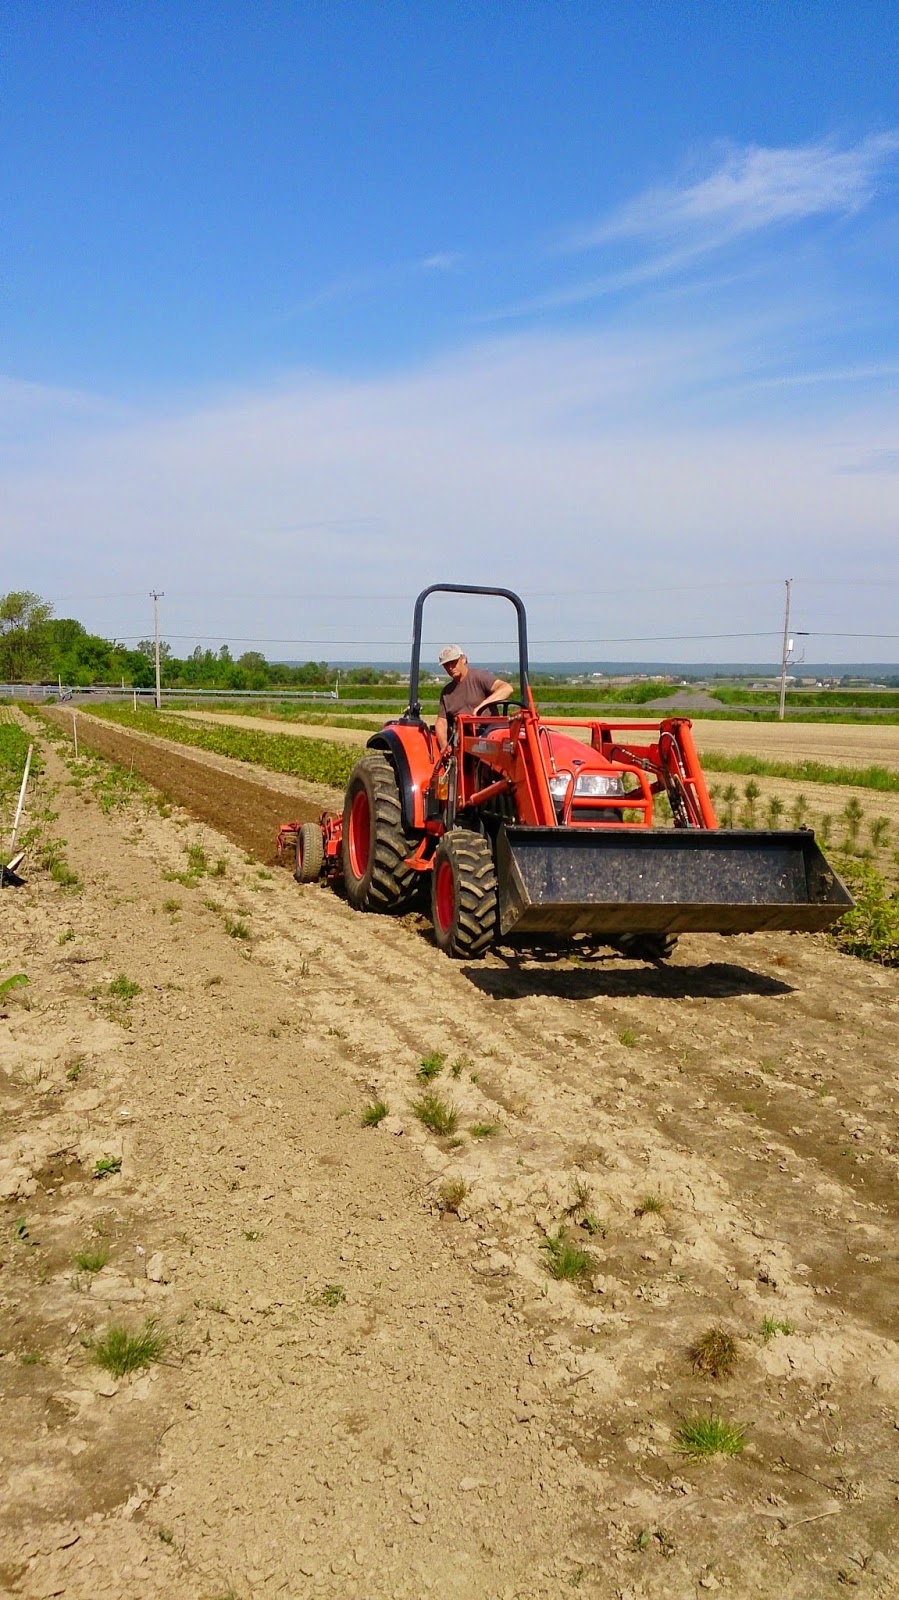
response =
{"points": [[715, 980]]}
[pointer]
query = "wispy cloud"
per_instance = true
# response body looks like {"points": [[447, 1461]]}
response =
{"points": [[750, 189], [374, 280]]}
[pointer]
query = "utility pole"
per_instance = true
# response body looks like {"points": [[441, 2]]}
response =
{"points": [[156, 596], [787, 647]]}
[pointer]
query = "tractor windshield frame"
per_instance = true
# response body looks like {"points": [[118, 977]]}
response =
{"points": [[414, 710]]}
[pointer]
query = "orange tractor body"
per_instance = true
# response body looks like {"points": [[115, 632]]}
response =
{"points": [[521, 828]]}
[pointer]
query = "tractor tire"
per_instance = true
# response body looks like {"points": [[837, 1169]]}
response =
{"points": [[310, 856], [464, 898], [654, 947], [374, 845]]}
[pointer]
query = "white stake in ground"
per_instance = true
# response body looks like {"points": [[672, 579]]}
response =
{"points": [[15, 826]]}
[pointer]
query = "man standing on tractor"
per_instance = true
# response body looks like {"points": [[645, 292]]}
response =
{"points": [[470, 691]]}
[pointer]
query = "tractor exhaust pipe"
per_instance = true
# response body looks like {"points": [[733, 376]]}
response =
{"points": [[619, 880]]}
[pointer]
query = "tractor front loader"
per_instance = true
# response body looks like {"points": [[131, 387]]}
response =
{"points": [[522, 828]]}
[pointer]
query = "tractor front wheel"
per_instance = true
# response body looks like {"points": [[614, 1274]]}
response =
{"points": [[310, 856], [374, 845], [654, 947], [464, 900]]}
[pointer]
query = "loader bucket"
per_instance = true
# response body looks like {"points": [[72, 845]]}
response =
{"points": [[625, 880]]}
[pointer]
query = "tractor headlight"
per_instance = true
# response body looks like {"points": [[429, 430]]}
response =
{"points": [[598, 783], [558, 786]]}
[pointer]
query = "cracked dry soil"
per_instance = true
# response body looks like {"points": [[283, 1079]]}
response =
{"points": [[364, 1394]]}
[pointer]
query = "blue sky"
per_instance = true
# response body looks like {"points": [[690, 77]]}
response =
{"points": [[305, 306]]}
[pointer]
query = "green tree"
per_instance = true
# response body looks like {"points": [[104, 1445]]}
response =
{"points": [[24, 636]]}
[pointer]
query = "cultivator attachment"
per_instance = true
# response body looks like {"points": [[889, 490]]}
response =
{"points": [[621, 880]]}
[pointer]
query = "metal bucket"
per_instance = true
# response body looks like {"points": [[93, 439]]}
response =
{"points": [[621, 880]]}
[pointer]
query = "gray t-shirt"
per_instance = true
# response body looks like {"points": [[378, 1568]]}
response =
{"points": [[458, 698]]}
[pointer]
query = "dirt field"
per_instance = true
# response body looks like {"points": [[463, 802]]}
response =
{"points": [[843, 744], [363, 1393]]}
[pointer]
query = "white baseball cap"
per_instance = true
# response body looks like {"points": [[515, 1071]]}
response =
{"points": [[450, 652]]}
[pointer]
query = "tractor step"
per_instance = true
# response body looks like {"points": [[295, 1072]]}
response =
{"points": [[624, 880]]}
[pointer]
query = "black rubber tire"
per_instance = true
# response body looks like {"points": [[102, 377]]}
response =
{"points": [[374, 869], [464, 898], [310, 853], [655, 947]]}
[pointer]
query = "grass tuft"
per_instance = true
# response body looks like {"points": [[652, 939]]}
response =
{"points": [[107, 1166], [431, 1066], [122, 988], [771, 1326], [120, 1352], [629, 1037], [564, 1260], [714, 1353], [92, 1260], [236, 928], [484, 1130], [710, 1436], [332, 1295], [374, 1113], [652, 1205], [439, 1115], [451, 1194]]}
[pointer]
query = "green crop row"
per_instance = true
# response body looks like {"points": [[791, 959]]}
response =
{"points": [[313, 759], [805, 771], [13, 748]]}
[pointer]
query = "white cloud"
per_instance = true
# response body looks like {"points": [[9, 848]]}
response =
{"points": [[753, 188], [572, 464]]}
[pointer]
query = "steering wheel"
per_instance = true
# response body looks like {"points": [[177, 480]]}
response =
{"points": [[498, 708]]}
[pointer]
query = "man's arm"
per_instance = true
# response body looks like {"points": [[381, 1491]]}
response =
{"points": [[501, 691]]}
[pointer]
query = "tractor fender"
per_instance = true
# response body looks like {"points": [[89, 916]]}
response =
{"points": [[408, 748]]}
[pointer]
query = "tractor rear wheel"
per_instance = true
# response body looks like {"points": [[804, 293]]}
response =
{"points": [[374, 845], [310, 857], [655, 947], [464, 899]]}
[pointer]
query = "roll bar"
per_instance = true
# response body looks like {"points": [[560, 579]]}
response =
{"points": [[465, 588]]}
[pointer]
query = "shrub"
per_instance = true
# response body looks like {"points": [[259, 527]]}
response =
{"points": [[871, 929]]}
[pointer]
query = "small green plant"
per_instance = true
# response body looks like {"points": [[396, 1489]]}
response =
{"points": [[431, 1066], [565, 1260], [456, 1069], [220, 869], [333, 1294], [714, 1353], [107, 1166], [374, 1113], [236, 928], [772, 1326], [20, 1230], [251, 1234], [853, 816], [75, 1068], [484, 1130], [824, 827], [33, 1358], [171, 906], [751, 795], [122, 988], [439, 1115], [593, 1225], [451, 1194], [879, 829], [121, 1352], [581, 1195], [729, 797], [710, 1436], [871, 930], [92, 1260], [17, 980], [652, 1205], [166, 1535], [799, 811], [774, 811], [66, 935], [197, 862], [629, 1037], [62, 873]]}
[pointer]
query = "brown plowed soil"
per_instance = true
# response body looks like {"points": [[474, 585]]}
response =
{"points": [[373, 1386]]}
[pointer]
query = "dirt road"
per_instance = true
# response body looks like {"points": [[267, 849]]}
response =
{"points": [[368, 1395]]}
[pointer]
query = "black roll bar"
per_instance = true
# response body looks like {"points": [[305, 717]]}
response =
{"points": [[465, 588]]}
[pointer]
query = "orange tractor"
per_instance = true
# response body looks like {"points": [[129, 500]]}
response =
{"points": [[521, 828]]}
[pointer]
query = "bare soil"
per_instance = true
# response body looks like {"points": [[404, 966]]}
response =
{"points": [[363, 1393]]}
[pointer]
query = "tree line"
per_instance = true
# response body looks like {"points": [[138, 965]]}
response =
{"points": [[37, 647]]}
